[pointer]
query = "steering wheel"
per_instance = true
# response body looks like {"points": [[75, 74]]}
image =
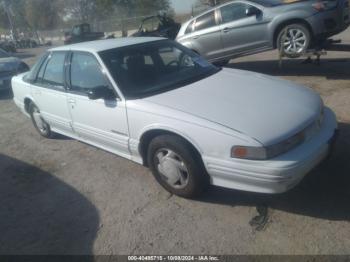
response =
{"points": [[186, 60]]}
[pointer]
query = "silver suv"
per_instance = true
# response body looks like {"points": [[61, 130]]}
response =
{"points": [[242, 27]]}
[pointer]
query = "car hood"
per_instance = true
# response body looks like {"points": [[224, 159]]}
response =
{"points": [[8, 64], [265, 108]]}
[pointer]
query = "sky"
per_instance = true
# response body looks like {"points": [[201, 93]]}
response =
{"points": [[183, 6]]}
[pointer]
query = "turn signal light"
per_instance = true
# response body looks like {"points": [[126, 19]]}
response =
{"points": [[247, 152], [239, 152]]}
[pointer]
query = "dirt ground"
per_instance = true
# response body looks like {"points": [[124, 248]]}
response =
{"points": [[65, 197]]}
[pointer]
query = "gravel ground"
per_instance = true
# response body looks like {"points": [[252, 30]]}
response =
{"points": [[65, 197]]}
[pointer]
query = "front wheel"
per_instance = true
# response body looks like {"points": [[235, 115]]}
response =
{"points": [[39, 123], [294, 40], [177, 166]]}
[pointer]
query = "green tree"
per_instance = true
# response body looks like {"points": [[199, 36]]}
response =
{"points": [[210, 3], [128, 8], [39, 19], [31, 14], [146, 7], [202, 5], [4, 23], [80, 10]]}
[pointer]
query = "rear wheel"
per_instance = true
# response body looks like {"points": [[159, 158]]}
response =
{"points": [[177, 166], [39, 123], [294, 40]]}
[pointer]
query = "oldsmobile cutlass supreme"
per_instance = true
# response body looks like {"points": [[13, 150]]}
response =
{"points": [[159, 104]]}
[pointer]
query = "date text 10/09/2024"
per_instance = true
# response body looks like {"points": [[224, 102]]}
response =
{"points": [[173, 258]]}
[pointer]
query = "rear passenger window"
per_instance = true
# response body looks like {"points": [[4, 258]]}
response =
{"points": [[52, 74], [32, 75], [42, 71], [205, 21], [233, 12]]}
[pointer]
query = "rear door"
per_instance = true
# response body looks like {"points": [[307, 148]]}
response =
{"points": [[242, 33], [49, 93], [101, 122], [206, 36]]}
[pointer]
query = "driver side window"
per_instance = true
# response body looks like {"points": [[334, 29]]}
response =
{"points": [[86, 73]]}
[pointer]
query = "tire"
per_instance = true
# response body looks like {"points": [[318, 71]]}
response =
{"points": [[186, 176], [293, 40], [43, 127]]}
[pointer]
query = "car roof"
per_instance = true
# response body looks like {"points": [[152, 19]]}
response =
{"points": [[102, 45]]}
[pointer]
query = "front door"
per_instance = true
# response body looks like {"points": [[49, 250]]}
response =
{"points": [[101, 122], [242, 33]]}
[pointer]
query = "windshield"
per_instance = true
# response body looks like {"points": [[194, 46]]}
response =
{"points": [[3, 54], [155, 67]]}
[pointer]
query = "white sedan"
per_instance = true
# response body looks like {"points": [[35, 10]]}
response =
{"points": [[157, 103]]}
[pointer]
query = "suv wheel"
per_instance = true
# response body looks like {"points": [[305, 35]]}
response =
{"points": [[294, 40], [177, 166]]}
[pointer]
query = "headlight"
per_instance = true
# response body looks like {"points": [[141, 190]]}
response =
{"points": [[264, 153], [247, 152]]}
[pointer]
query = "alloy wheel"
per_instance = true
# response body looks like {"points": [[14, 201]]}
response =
{"points": [[294, 41]]}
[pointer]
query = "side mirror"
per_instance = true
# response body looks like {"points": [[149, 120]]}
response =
{"points": [[100, 92], [252, 11]]}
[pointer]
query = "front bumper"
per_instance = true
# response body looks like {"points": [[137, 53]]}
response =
{"points": [[328, 23], [277, 175]]}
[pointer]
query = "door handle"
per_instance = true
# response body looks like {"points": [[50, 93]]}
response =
{"points": [[226, 29], [196, 37], [72, 101]]}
